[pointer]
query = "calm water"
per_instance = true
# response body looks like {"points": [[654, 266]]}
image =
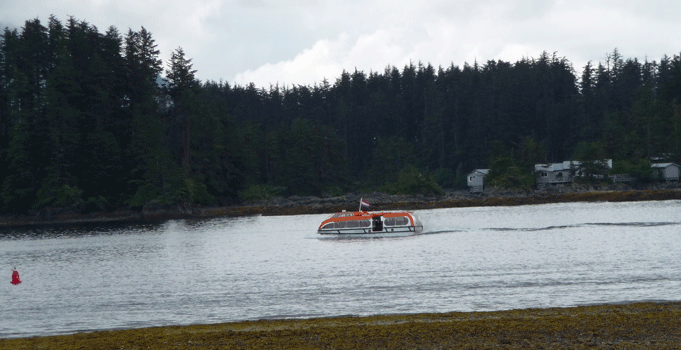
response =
{"points": [[94, 277]]}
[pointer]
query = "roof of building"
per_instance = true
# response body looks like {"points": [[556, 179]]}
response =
{"points": [[479, 171], [662, 165], [567, 165]]}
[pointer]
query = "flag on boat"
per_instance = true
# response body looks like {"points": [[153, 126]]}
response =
{"points": [[363, 205]]}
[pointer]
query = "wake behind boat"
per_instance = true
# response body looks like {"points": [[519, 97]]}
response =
{"points": [[363, 222]]}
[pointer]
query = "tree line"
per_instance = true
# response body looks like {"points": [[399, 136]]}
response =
{"points": [[90, 120]]}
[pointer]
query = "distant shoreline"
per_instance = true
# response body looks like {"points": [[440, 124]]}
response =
{"points": [[638, 325], [317, 205]]}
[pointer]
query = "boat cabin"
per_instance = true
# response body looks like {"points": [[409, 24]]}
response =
{"points": [[365, 222]]}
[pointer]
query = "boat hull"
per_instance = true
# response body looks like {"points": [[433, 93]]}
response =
{"points": [[405, 231]]}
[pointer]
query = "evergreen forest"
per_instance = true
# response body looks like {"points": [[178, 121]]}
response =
{"points": [[92, 120]]}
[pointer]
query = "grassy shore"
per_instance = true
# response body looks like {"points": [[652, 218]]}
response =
{"points": [[441, 203], [629, 326]]}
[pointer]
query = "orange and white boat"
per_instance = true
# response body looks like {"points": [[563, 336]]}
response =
{"points": [[370, 223]]}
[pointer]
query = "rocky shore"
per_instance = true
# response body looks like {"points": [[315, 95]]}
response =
{"points": [[317, 205], [628, 326]]}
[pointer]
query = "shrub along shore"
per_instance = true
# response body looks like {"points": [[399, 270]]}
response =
{"points": [[320, 205], [629, 326]]}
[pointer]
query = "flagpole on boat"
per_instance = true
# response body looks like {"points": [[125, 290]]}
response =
{"points": [[360, 203]]}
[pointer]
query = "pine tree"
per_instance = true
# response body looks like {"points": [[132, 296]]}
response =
{"points": [[182, 88], [149, 160]]}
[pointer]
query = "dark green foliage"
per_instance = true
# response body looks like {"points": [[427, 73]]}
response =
{"points": [[592, 160], [513, 172], [260, 192], [531, 153], [445, 178], [390, 157], [307, 159], [393, 170], [20, 184], [88, 122], [504, 172], [640, 170], [59, 197], [412, 181], [589, 151]]}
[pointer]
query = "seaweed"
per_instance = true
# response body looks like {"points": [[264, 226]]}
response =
{"points": [[630, 326]]}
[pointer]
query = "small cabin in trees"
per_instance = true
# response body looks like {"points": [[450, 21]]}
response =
{"points": [[476, 180], [666, 171]]}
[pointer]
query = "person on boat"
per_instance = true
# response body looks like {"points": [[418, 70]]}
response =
{"points": [[15, 277]]}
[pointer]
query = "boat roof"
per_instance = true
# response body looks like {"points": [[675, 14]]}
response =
{"points": [[365, 215]]}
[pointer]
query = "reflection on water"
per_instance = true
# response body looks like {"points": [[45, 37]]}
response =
{"points": [[73, 230], [106, 276], [548, 228]]}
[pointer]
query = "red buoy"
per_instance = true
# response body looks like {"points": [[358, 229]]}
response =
{"points": [[15, 277]]}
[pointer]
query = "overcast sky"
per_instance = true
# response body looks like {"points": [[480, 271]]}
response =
{"points": [[293, 42]]}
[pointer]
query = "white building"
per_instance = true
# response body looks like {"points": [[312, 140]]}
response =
{"points": [[476, 180], [666, 171], [561, 173]]}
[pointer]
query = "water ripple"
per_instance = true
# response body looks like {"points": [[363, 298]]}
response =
{"points": [[96, 277]]}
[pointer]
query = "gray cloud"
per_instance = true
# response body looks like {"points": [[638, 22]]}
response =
{"points": [[304, 41]]}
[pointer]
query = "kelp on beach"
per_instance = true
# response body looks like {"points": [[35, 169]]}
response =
{"points": [[630, 326], [438, 203]]}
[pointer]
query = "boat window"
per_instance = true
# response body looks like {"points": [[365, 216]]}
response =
{"points": [[339, 224], [328, 226], [389, 222], [402, 221], [365, 223], [353, 224]]}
